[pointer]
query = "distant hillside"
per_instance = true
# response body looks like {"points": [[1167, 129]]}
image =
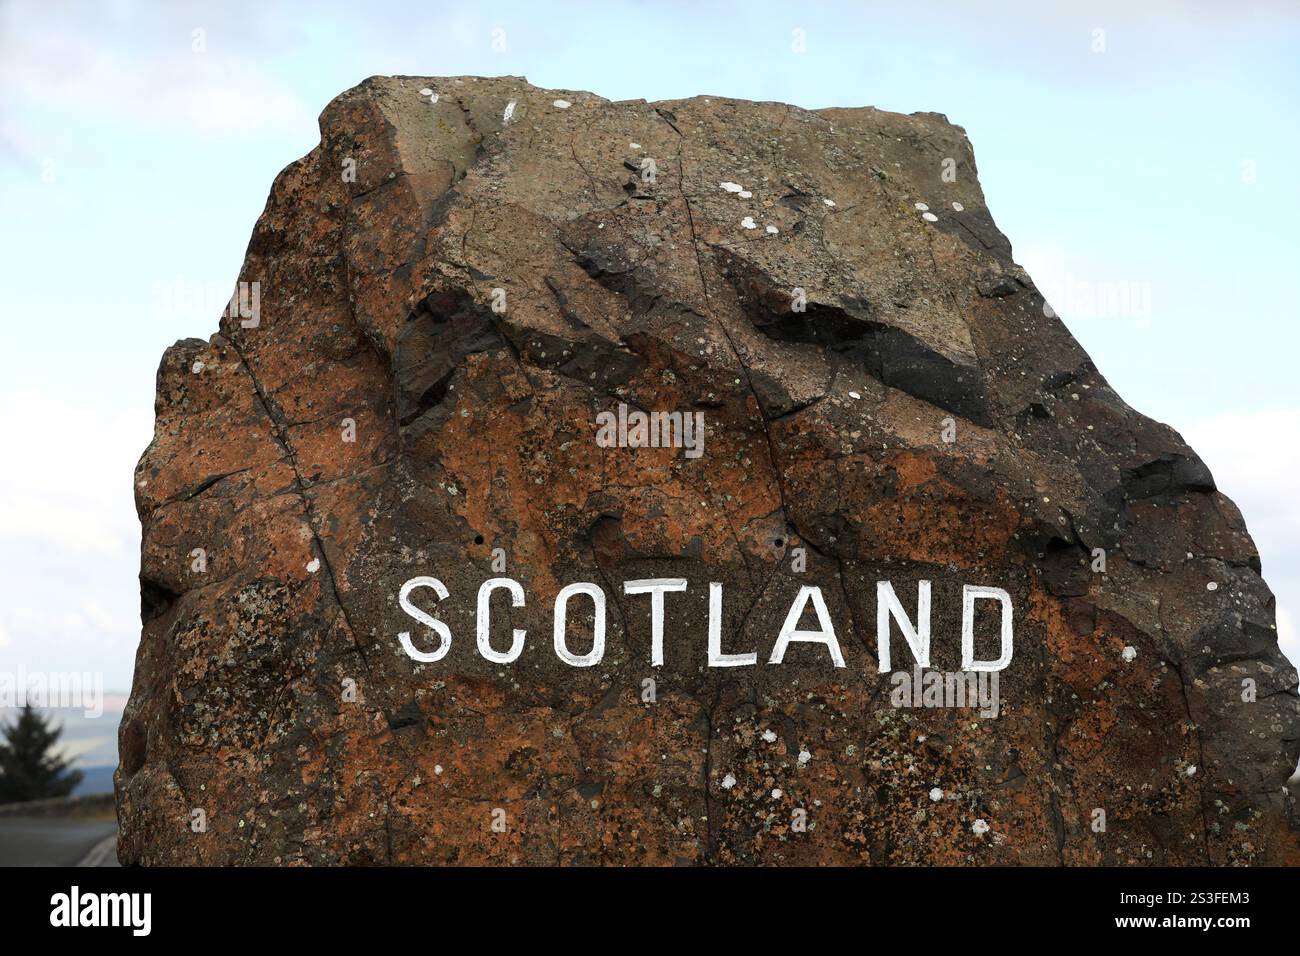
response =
{"points": [[97, 779]]}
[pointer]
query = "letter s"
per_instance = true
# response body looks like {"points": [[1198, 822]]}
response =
{"points": [[443, 632]]}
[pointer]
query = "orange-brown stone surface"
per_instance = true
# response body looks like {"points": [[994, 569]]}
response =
{"points": [[449, 290]]}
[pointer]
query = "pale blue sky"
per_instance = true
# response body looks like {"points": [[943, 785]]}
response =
{"points": [[1164, 165]]}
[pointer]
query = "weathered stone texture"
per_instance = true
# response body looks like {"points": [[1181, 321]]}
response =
{"points": [[474, 431]]}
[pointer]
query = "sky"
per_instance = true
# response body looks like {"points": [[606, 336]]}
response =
{"points": [[1143, 164]]}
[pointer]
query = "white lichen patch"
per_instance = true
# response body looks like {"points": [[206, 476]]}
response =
{"points": [[561, 104], [979, 827], [1130, 653], [313, 565], [728, 782], [748, 222], [936, 794]]}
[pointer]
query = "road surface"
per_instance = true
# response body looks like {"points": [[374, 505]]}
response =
{"points": [[49, 841]]}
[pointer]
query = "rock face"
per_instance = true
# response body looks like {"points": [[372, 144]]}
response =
{"points": [[444, 305]]}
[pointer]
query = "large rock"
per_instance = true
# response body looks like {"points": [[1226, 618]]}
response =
{"points": [[451, 290]]}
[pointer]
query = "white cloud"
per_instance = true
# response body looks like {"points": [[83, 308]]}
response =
{"points": [[51, 58], [69, 484], [69, 537]]}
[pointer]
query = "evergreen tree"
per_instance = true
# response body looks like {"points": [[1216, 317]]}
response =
{"points": [[29, 770]]}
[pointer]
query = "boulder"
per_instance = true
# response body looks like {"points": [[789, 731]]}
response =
{"points": [[564, 472]]}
